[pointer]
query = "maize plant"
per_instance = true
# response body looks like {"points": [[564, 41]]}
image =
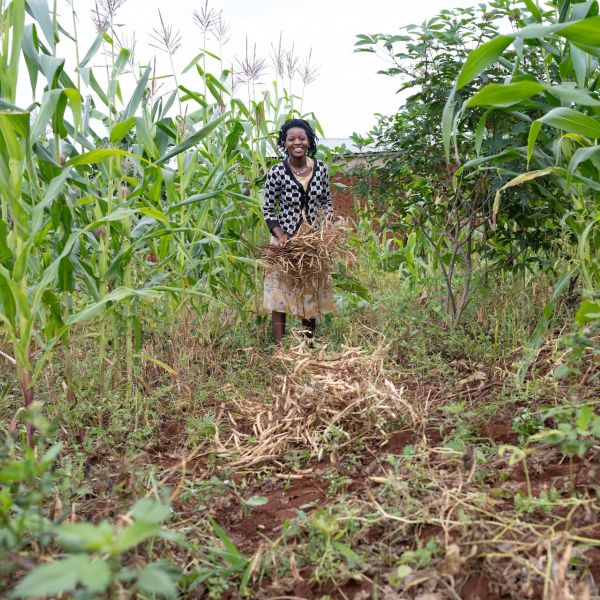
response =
{"points": [[108, 200]]}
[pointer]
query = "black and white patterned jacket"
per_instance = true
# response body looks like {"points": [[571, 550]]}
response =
{"points": [[286, 200]]}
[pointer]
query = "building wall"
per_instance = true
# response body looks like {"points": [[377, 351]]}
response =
{"points": [[343, 199]]}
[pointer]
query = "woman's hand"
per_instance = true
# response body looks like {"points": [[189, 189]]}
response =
{"points": [[280, 236]]}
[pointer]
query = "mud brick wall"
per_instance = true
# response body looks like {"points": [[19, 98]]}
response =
{"points": [[343, 199]]}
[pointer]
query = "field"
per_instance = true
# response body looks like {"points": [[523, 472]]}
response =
{"points": [[439, 438], [425, 487]]}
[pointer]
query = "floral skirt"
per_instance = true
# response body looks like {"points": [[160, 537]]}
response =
{"points": [[307, 299]]}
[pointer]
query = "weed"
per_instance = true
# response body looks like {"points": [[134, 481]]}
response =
{"points": [[200, 428], [525, 424]]}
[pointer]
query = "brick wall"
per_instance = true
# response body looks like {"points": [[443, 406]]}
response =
{"points": [[343, 199]]}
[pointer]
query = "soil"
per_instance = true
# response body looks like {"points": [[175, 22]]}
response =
{"points": [[500, 432], [283, 504], [287, 493], [308, 492], [478, 587]]}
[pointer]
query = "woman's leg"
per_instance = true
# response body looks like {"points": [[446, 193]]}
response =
{"points": [[309, 327], [278, 323]]}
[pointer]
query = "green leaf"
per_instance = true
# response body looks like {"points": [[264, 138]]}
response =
{"points": [[447, 123], [580, 59], [137, 95], [537, 339], [534, 131], [100, 154], [585, 32], [155, 214], [13, 21], [588, 312], [118, 294], [49, 457], [534, 10], [97, 88], [63, 576], [347, 553], [5, 251], [561, 372], [496, 94], [85, 536], [54, 190], [134, 534], [50, 579], [31, 53], [91, 52], [46, 112], [95, 575], [538, 31], [403, 571], [191, 141], [564, 9], [584, 419], [153, 579], [572, 121], [480, 131], [225, 539], [13, 471], [548, 436], [144, 136], [481, 58], [120, 63], [120, 130], [581, 155], [52, 67], [193, 199], [39, 10], [569, 93], [150, 511], [347, 283], [256, 501]]}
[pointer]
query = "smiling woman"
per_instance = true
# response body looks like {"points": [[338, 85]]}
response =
{"points": [[296, 190]]}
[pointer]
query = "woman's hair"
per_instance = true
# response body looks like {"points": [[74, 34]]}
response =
{"points": [[302, 124]]}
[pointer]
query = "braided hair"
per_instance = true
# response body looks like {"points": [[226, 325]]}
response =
{"points": [[302, 124]]}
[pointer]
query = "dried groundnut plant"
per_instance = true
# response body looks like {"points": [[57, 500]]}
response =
{"points": [[310, 253]]}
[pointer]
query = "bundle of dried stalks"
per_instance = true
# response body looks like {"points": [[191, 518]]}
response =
{"points": [[323, 403], [310, 253]]}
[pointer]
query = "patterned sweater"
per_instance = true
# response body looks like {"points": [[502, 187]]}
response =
{"points": [[286, 200]]}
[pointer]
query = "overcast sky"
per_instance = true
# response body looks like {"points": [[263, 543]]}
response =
{"points": [[348, 90]]}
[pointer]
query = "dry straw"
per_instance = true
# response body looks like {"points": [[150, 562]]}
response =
{"points": [[310, 253], [323, 403]]}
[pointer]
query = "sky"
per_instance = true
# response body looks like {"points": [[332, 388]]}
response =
{"points": [[347, 92]]}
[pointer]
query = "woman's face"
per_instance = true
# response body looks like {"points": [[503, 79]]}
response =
{"points": [[296, 142]]}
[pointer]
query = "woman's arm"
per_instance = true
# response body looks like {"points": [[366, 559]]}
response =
{"points": [[272, 195], [326, 200]]}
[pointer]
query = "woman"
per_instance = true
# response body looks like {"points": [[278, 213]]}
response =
{"points": [[296, 189]]}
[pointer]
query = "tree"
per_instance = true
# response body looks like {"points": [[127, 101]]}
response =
{"points": [[562, 112], [449, 200]]}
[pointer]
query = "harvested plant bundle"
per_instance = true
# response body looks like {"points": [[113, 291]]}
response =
{"points": [[319, 398], [310, 252]]}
